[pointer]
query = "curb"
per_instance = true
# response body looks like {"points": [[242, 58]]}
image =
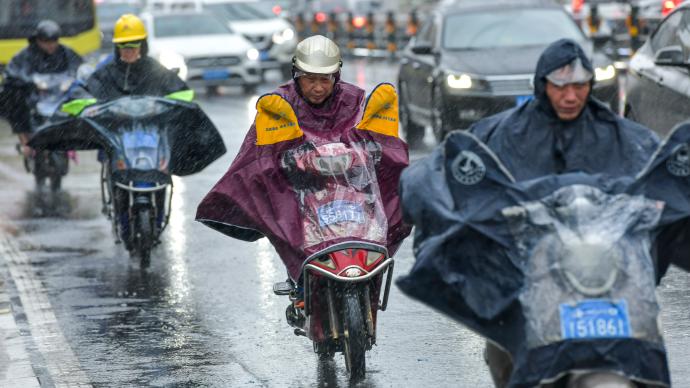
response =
{"points": [[15, 364]]}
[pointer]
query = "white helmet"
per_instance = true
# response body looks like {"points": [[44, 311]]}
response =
{"points": [[318, 55]]}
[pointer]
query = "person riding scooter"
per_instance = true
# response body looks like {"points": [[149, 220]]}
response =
{"points": [[44, 55], [319, 167], [132, 71]]}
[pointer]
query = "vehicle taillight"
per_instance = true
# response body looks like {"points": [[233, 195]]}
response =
{"points": [[359, 21], [277, 9], [668, 6], [577, 5], [320, 17]]}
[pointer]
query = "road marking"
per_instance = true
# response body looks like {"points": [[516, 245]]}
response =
{"points": [[61, 364]]}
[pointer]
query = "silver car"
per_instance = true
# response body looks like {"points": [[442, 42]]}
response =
{"points": [[204, 50], [273, 36]]}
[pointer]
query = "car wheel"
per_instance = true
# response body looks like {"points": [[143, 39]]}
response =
{"points": [[249, 88], [628, 113], [414, 133], [439, 120], [212, 90]]}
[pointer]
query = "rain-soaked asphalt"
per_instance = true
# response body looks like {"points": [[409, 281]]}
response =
{"points": [[205, 315]]}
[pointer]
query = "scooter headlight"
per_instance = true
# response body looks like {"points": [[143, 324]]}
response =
{"points": [[590, 265], [373, 257]]}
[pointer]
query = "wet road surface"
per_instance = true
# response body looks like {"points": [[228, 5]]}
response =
{"points": [[204, 314]]}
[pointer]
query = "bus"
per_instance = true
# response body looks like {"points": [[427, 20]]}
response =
{"points": [[77, 18]]}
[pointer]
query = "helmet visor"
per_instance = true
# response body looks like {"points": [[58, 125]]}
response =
{"points": [[572, 73], [314, 76]]}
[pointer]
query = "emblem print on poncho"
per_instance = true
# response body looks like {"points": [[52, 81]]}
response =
{"points": [[468, 168], [679, 163]]}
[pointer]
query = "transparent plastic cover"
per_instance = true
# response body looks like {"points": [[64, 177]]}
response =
{"points": [[337, 192], [589, 273]]}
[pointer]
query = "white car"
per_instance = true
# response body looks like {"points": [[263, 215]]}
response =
{"points": [[273, 36], [204, 50]]}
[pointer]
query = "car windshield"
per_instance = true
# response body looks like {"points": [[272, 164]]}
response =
{"points": [[166, 26], [236, 11], [509, 28]]}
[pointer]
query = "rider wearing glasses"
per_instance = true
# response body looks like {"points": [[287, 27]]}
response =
{"points": [[132, 72]]}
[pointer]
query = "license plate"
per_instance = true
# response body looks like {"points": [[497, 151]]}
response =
{"points": [[519, 100], [264, 55], [337, 212], [595, 318], [215, 74]]}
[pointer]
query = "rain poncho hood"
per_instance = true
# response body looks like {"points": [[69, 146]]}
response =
{"points": [[532, 141], [259, 197], [558, 270]]}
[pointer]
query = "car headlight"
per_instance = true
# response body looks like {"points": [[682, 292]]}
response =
{"points": [[604, 73], [172, 60], [462, 81], [253, 54], [283, 36]]}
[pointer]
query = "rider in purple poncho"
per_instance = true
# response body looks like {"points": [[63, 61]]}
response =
{"points": [[254, 198]]}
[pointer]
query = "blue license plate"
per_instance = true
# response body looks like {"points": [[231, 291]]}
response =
{"points": [[337, 212], [215, 74], [519, 100], [264, 55], [595, 318]]}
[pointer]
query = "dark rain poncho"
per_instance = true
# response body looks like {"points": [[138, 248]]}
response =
{"points": [[532, 141], [145, 77], [256, 198], [18, 85], [522, 262], [549, 223]]}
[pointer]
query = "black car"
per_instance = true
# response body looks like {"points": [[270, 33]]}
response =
{"points": [[658, 90], [472, 59]]}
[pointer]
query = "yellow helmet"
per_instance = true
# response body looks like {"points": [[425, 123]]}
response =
{"points": [[129, 28]]}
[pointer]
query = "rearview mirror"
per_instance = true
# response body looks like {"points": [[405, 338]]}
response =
{"points": [[423, 50], [669, 56]]}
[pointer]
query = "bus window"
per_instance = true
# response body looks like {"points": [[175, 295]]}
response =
{"points": [[77, 18], [19, 17]]}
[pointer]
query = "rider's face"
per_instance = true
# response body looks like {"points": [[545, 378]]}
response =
{"points": [[316, 88], [568, 100], [48, 46], [130, 54]]}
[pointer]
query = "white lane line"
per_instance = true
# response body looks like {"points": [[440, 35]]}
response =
{"points": [[61, 363]]}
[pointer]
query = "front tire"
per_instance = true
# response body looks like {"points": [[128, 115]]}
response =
{"points": [[354, 335], [143, 236], [249, 88]]}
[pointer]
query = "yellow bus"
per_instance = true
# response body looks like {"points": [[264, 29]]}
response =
{"points": [[77, 18]]}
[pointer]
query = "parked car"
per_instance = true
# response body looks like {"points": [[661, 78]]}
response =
{"points": [[473, 59], [108, 11], [204, 50], [658, 84], [272, 35]]}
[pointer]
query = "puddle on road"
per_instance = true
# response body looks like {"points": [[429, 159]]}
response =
{"points": [[60, 204]]}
